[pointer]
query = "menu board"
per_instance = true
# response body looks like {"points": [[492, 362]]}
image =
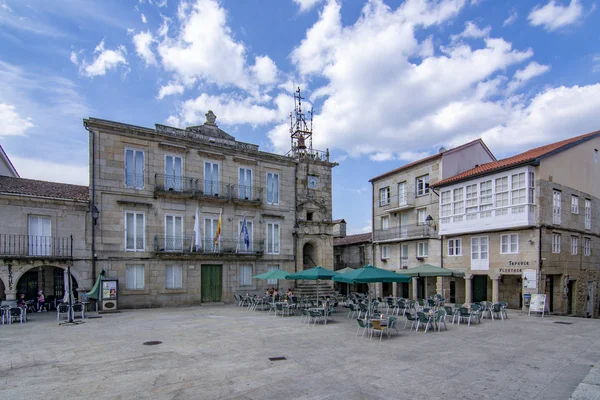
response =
{"points": [[109, 290], [538, 303], [530, 278]]}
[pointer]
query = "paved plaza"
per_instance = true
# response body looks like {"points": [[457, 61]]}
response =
{"points": [[222, 352]]}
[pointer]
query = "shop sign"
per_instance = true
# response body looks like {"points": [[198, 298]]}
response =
{"points": [[517, 271]]}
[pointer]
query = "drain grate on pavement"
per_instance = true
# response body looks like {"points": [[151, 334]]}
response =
{"points": [[563, 323], [277, 358], [152, 343]]}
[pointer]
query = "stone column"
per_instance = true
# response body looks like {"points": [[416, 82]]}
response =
{"points": [[10, 294], [395, 289], [414, 288], [468, 291], [439, 286], [495, 288]]}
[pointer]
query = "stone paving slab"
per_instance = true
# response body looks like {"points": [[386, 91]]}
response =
{"points": [[222, 352]]}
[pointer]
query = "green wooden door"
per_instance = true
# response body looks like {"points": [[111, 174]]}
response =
{"points": [[480, 288], [212, 283]]}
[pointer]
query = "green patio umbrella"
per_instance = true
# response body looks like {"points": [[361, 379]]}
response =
{"points": [[313, 274], [273, 274], [370, 274], [427, 270], [343, 271]]}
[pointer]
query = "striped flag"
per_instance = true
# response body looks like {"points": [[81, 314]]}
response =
{"points": [[218, 233], [244, 232]]}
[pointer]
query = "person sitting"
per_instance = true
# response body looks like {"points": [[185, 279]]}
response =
{"points": [[21, 300], [290, 294], [41, 302]]}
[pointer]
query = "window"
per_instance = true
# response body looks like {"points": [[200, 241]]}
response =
{"points": [[134, 231], [134, 277], [509, 244], [531, 187], [421, 216], [134, 169], [402, 194], [272, 238], [173, 233], [574, 204], [459, 204], [587, 246], [309, 215], [384, 196], [385, 252], [422, 249], [173, 173], [245, 183], [385, 223], [485, 199], [40, 236], [246, 275], [501, 195], [210, 231], [272, 188], [479, 248], [242, 245], [556, 210], [455, 247], [588, 214], [272, 281], [211, 178], [446, 204], [574, 245], [471, 204], [173, 277], [404, 252], [518, 189], [404, 225], [556, 243], [423, 185]]}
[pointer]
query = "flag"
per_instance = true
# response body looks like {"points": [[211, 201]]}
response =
{"points": [[218, 233], [244, 233], [197, 229]]}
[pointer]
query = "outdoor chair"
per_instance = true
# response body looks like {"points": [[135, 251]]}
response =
{"points": [[486, 308], [392, 324], [2, 314], [15, 313], [504, 305], [279, 309], [305, 316], [353, 310], [440, 318], [377, 327], [465, 314], [476, 311], [412, 318], [314, 316], [63, 309], [78, 308], [423, 318], [498, 311], [420, 304], [364, 325], [400, 306], [390, 304], [451, 313], [430, 303], [362, 307]]}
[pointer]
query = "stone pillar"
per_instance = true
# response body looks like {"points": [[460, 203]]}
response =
{"points": [[10, 294], [414, 288], [495, 287], [468, 291], [439, 286], [395, 289]]}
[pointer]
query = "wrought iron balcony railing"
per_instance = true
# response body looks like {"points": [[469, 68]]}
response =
{"points": [[188, 244], [35, 246], [200, 187], [398, 202], [403, 232]]}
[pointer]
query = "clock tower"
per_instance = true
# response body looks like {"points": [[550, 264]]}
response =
{"points": [[314, 229]]}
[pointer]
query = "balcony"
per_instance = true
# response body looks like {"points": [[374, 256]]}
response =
{"points": [[402, 233], [176, 186], [498, 218], [34, 247], [186, 246], [397, 203]]}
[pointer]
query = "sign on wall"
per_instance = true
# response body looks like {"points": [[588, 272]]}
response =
{"points": [[538, 303], [529, 278]]}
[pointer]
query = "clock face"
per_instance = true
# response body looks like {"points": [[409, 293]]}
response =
{"points": [[313, 182]]}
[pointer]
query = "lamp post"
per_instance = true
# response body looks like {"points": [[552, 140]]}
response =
{"points": [[429, 221], [95, 214], [295, 234]]}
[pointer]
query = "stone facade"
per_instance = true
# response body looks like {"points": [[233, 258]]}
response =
{"points": [[217, 177]]}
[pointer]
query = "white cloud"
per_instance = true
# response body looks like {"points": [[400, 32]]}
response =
{"points": [[13, 124], [553, 16], [45, 170], [410, 156], [106, 60], [142, 42], [532, 70], [364, 229], [74, 58], [472, 31], [511, 18], [596, 63], [382, 156], [6, 7], [264, 70], [144, 20], [306, 5], [170, 89], [161, 3]]}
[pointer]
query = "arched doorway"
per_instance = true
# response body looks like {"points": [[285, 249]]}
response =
{"points": [[309, 256], [50, 279], [2, 293]]}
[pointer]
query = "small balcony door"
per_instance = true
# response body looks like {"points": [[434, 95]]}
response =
{"points": [[173, 173], [211, 179], [402, 198], [480, 259], [404, 225], [40, 236], [174, 233], [245, 183]]}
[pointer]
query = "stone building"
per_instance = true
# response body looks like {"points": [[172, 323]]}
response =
{"points": [[353, 251], [527, 224], [172, 204], [6, 166], [44, 227], [405, 212]]}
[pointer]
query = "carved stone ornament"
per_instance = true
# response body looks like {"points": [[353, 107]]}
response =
{"points": [[210, 118]]}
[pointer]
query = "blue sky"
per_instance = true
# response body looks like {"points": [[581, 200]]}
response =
{"points": [[390, 81]]}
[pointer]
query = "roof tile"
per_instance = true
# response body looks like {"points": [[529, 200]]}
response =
{"points": [[32, 187], [353, 239]]}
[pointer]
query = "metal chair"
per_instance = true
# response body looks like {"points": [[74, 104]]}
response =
{"points": [[78, 308], [62, 309], [15, 313]]}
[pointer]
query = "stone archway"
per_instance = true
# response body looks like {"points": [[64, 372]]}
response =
{"points": [[2, 289], [310, 255], [29, 279]]}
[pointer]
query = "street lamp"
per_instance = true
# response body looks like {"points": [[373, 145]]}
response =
{"points": [[429, 222], [95, 214]]}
